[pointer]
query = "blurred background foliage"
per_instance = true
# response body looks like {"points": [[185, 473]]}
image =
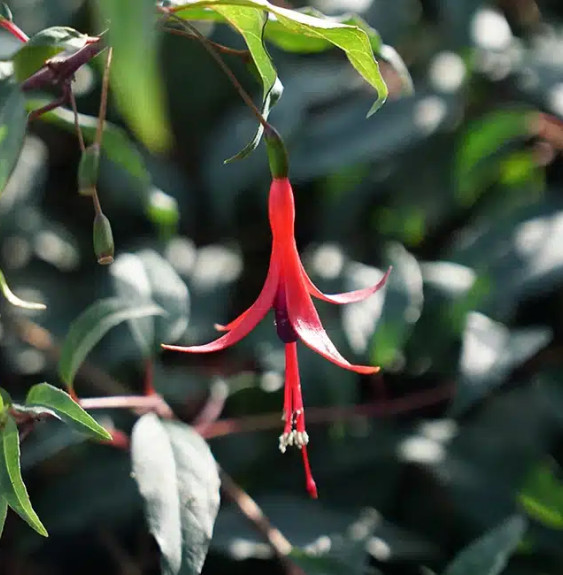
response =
{"points": [[459, 187]]}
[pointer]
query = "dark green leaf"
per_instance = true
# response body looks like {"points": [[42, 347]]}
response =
{"points": [[178, 480], [488, 554], [144, 278], [13, 123], [91, 325], [11, 482], [489, 352], [43, 46], [135, 78], [45, 395]]}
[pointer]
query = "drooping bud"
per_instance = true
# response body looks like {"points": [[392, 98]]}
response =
{"points": [[277, 154], [103, 239], [88, 170]]}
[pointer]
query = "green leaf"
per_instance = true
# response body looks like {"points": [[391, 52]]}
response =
{"points": [[249, 22], [116, 145], [91, 325], [3, 513], [484, 144], [11, 482], [145, 278], [179, 483], [64, 407], [135, 78], [43, 46], [542, 496], [13, 123], [489, 554], [353, 40], [13, 299]]}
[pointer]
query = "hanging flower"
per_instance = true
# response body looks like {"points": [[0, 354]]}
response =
{"points": [[288, 290]]}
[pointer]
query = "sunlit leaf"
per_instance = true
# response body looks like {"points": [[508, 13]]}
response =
{"points": [[11, 482], [91, 325], [351, 39], [145, 278], [13, 299], [542, 496], [135, 79], [489, 352], [64, 407], [489, 554], [178, 480]]}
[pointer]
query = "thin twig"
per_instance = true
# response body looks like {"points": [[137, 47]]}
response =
{"points": [[76, 122], [217, 57], [103, 100], [56, 72], [323, 415], [250, 509], [244, 54]]}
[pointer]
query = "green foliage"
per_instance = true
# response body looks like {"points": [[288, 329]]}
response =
{"points": [[351, 39], [178, 480], [91, 325], [457, 186], [64, 407], [13, 490], [488, 555]]}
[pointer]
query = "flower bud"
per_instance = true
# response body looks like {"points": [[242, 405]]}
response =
{"points": [[103, 239], [88, 170]]}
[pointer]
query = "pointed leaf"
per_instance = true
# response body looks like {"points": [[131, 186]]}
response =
{"points": [[11, 482], [351, 39], [13, 299], [13, 123], [91, 325], [250, 22], [488, 554], [178, 480], [64, 407], [135, 78]]}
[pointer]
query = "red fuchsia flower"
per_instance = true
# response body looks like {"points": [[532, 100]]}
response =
{"points": [[288, 290]]}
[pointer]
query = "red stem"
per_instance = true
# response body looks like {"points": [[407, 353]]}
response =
{"points": [[14, 30]]}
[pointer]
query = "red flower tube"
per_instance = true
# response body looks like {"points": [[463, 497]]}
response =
{"points": [[288, 290]]}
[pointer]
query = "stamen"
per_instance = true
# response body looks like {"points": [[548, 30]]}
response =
{"points": [[294, 415]]}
